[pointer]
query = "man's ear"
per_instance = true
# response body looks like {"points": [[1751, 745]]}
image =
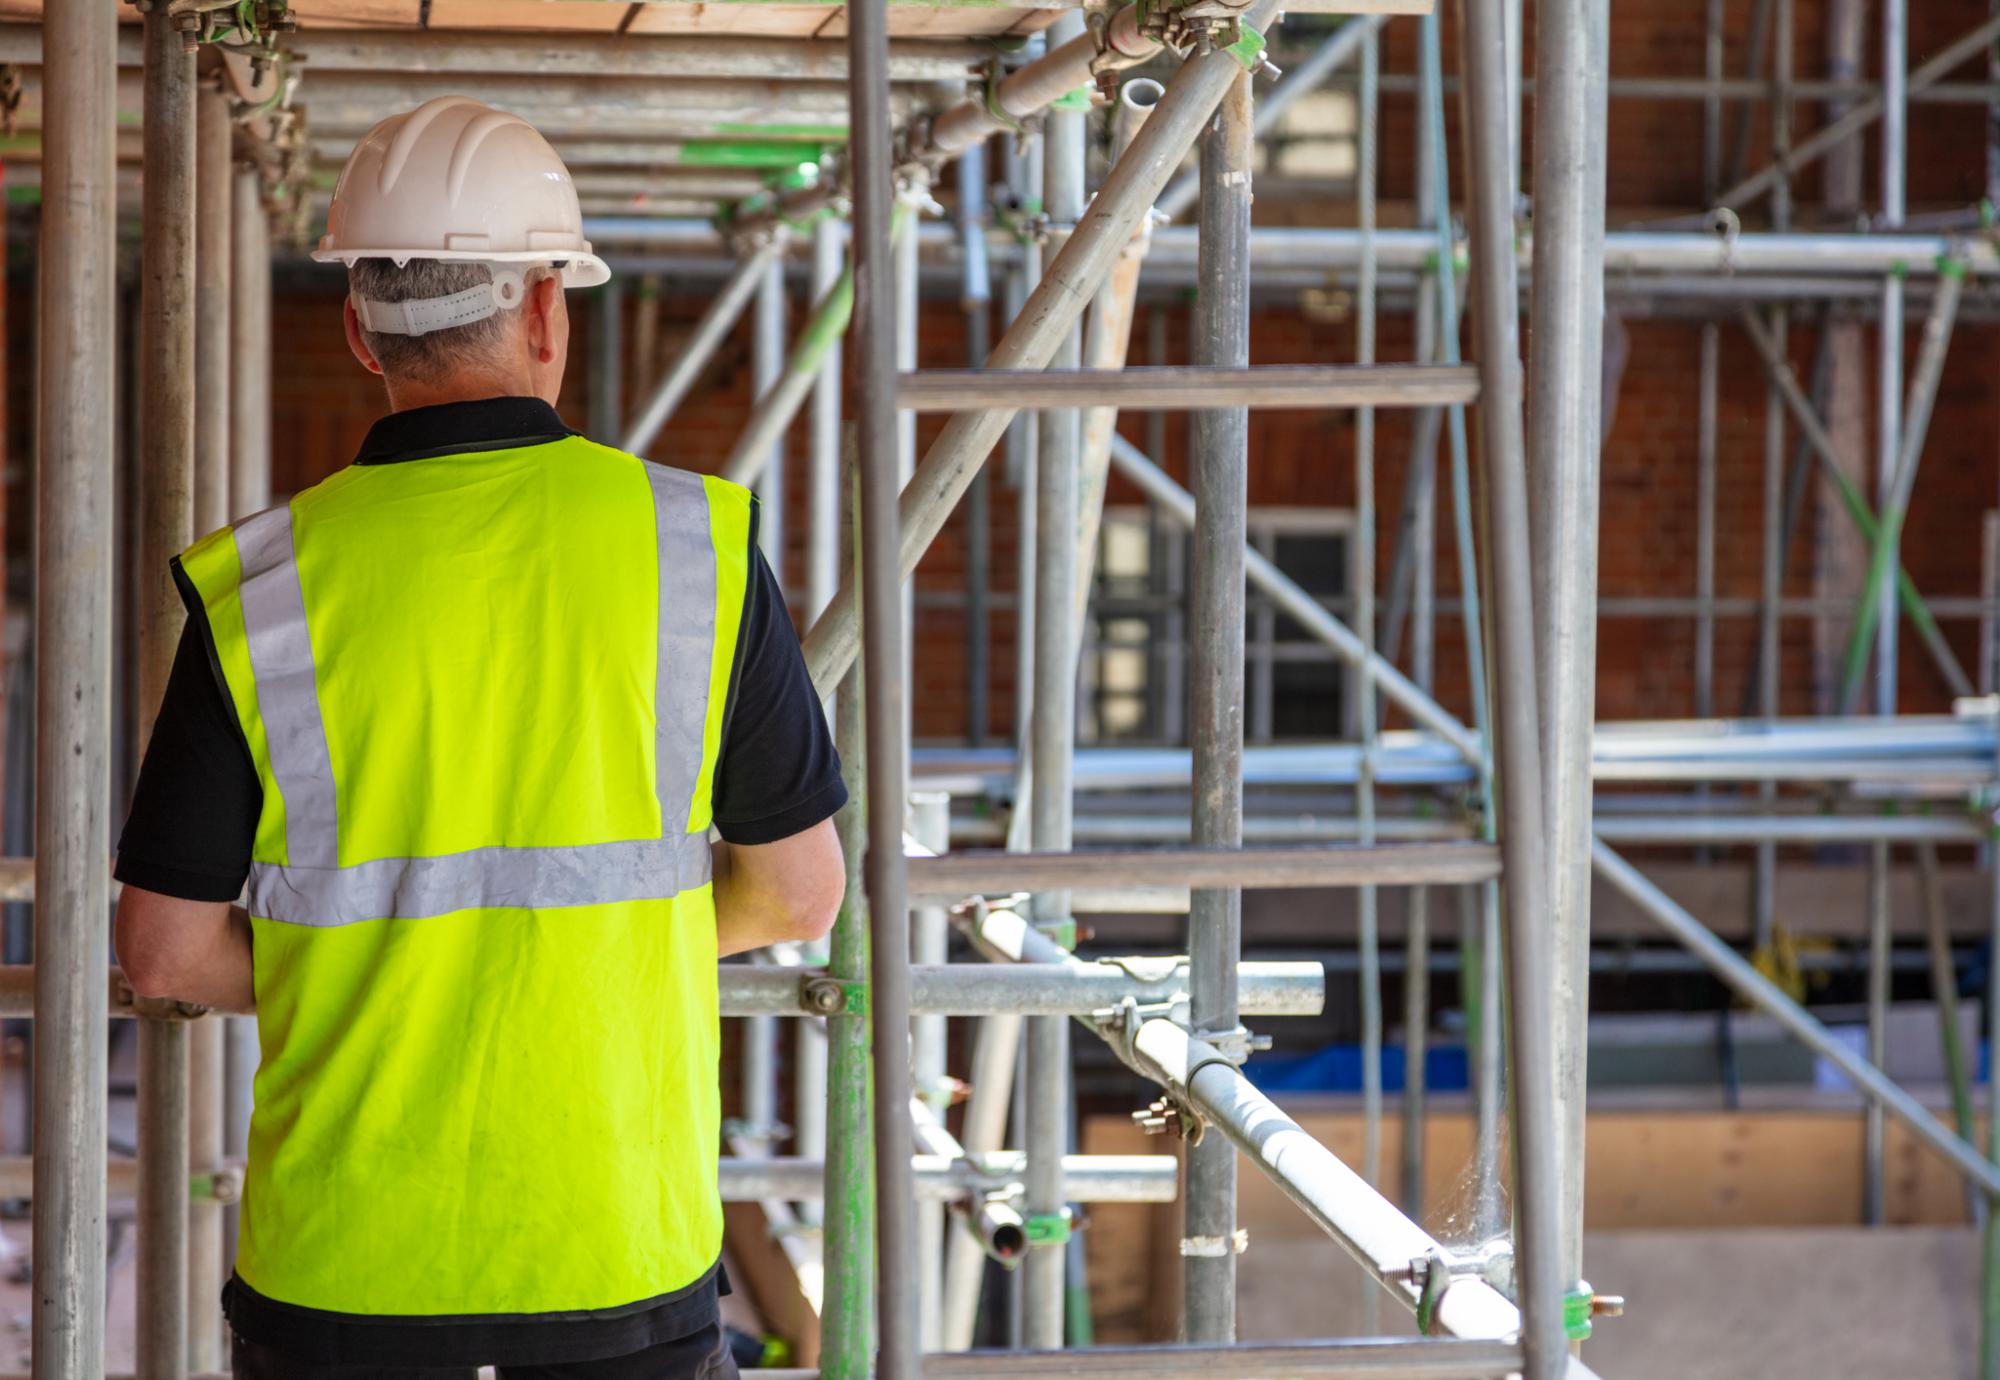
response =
{"points": [[354, 340], [545, 311]]}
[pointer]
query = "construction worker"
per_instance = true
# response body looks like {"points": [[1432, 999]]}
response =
{"points": [[463, 717]]}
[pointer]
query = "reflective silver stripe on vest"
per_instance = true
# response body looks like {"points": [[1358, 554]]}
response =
{"points": [[274, 621], [314, 890], [687, 638], [594, 874]]}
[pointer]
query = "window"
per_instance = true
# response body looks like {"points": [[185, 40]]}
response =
{"points": [[1136, 665]]}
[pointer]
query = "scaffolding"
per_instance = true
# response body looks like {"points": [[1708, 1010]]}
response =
{"points": [[909, 1215]]}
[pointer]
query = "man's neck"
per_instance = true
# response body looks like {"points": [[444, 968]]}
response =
{"points": [[406, 395]]}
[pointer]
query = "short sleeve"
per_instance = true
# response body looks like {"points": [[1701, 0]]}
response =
{"points": [[778, 773], [194, 812]]}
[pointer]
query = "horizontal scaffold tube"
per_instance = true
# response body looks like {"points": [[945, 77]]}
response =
{"points": [[1401, 864], [1185, 387], [1328, 248], [951, 989], [1375, 1358], [1086, 1178], [587, 55]]}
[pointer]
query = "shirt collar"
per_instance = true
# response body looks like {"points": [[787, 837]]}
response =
{"points": [[459, 428]]}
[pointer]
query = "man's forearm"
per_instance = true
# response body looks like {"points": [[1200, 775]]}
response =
{"points": [[776, 893], [190, 951]]}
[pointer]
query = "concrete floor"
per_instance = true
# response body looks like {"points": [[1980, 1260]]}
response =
{"points": [[1837, 1303]]}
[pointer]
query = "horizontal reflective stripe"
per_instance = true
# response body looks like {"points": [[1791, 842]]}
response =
{"points": [[480, 879]]}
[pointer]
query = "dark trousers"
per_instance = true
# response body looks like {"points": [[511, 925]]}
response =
{"points": [[704, 1356]]}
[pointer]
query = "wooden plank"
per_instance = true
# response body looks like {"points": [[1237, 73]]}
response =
{"points": [[357, 14], [767, 21], [594, 16], [932, 21]]}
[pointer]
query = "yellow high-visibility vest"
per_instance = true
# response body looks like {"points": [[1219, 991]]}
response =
{"points": [[484, 694]]}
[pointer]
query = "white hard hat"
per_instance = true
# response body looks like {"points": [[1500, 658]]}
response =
{"points": [[455, 179]]}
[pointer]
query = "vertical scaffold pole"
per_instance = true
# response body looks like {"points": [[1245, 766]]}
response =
{"points": [[930, 931], [249, 492], [1531, 1013], [215, 189], [884, 688], [1989, 1312], [823, 503], [1368, 913], [847, 1321], [767, 366], [976, 301], [1565, 404], [1889, 437], [168, 494], [1220, 473], [1052, 744], [76, 316]]}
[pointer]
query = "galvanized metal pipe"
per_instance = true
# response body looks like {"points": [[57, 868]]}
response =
{"points": [[1052, 734], [709, 332], [1369, 940], [215, 189], [1125, 198], [847, 1315], [1336, 1199], [250, 349], [169, 498], [1572, 57], [1538, 1192], [1220, 467], [995, 1054], [823, 477], [941, 1176], [73, 551], [930, 931], [1196, 388], [976, 301], [884, 690]]}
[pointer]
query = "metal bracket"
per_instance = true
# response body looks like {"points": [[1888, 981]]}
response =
{"points": [[223, 1186], [1235, 1046], [1047, 1228], [830, 996], [1434, 1272]]}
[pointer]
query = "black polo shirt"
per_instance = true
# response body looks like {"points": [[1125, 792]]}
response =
{"points": [[194, 816]]}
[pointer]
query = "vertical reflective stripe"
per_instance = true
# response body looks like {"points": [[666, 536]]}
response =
{"points": [[274, 622], [687, 635]]}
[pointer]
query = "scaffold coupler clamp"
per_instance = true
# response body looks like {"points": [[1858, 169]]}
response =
{"points": [[1235, 1045], [1727, 226], [1433, 1273]]}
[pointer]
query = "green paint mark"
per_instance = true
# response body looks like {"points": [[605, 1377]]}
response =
{"points": [[24, 196], [748, 153], [825, 134]]}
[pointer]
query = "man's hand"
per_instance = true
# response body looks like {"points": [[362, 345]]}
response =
{"points": [[775, 893], [191, 951]]}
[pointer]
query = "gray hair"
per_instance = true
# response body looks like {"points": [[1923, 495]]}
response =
{"points": [[433, 356]]}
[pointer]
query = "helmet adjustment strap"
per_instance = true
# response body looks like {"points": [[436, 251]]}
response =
{"points": [[424, 315]]}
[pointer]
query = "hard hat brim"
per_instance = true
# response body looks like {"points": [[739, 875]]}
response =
{"points": [[581, 268]]}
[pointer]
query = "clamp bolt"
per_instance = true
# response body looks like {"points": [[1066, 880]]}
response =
{"points": [[823, 996]]}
